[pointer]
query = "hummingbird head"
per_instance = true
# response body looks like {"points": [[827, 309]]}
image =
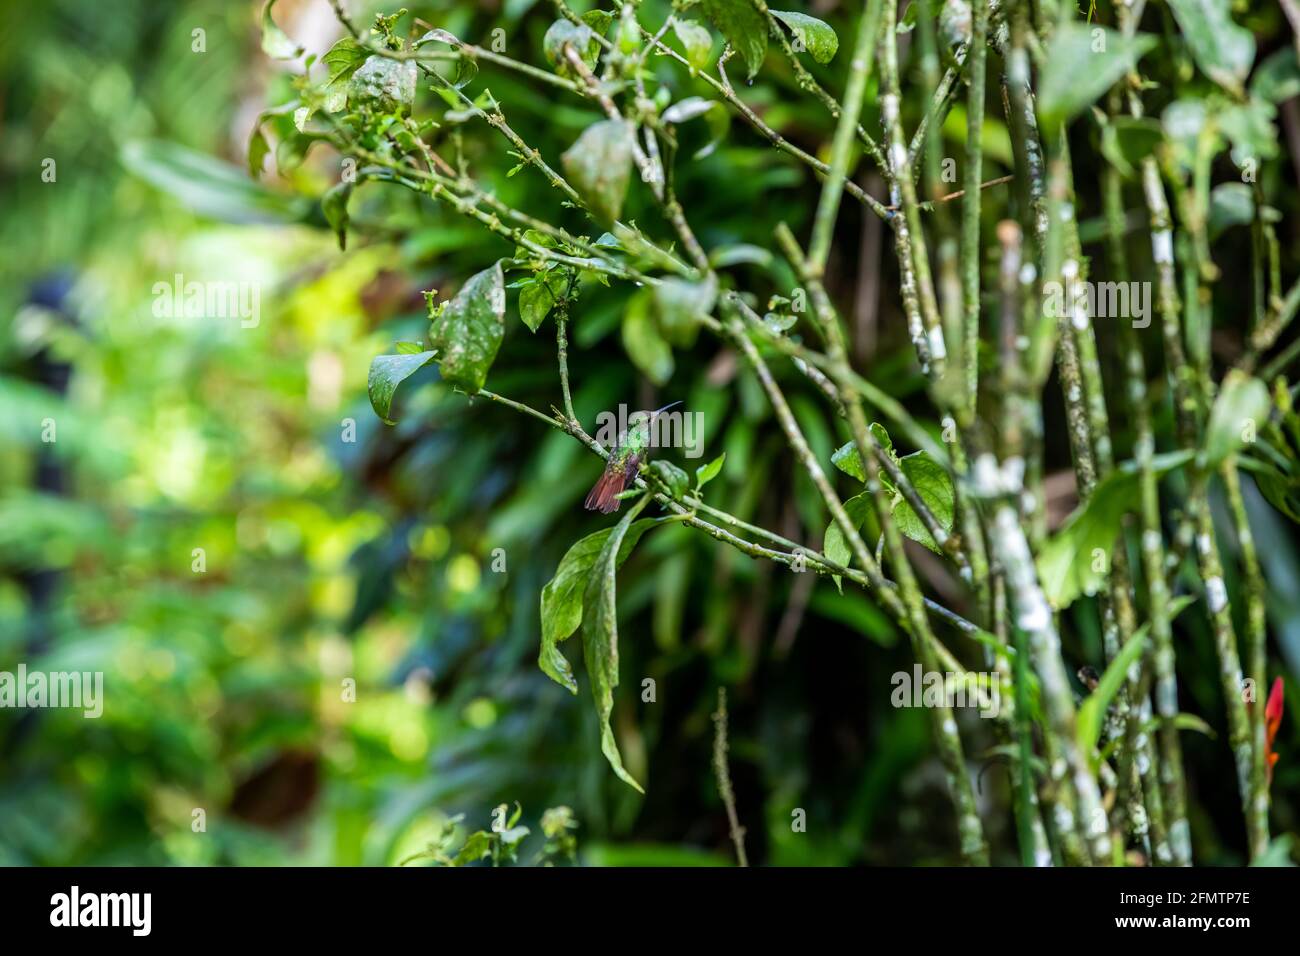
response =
{"points": [[645, 419]]}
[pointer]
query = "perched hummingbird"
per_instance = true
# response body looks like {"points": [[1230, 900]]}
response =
{"points": [[624, 462]]}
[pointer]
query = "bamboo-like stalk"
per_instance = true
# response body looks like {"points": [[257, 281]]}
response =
{"points": [[1256, 636]]}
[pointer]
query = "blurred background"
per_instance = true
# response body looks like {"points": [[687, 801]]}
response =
{"points": [[335, 548]]}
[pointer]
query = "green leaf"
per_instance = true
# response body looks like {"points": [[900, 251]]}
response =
{"points": [[343, 59], [538, 296], [389, 371], [561, 602], [834, 545], [1068, 562], [468, 330], [334, 204], [706, 473], [258, 148], [1080, 64], [1240, 411], [672, 476], [812, 34], [1231, 204], [680, 306], [598, 20], [599, 165], [1127, 140], [1223, 50], [847, 460], [696, 41], [1250, 129], [1092, 712], [275, 42], [600, 637], [934, 486], [642, 341], [580, 36], [744, 28], [1278, 78]]}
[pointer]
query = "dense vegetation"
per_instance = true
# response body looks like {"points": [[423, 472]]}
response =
{"points": [[984, 314]]}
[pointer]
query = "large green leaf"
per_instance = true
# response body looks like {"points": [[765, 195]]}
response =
{"points": [[561, 602], [1223, 50], [1080, 64], [600, 636], [599, 165], [815, 36], [389, 371], [1240, 411], [1068, 564], [468, 330], [744, 28]]}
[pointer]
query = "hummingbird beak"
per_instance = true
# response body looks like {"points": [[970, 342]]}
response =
{"points": [[664, 409]]}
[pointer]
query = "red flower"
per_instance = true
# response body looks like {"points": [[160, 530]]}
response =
{"points": [[1272, 721]]}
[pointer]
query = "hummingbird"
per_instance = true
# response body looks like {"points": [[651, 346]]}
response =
{"points": [[624, 462]]}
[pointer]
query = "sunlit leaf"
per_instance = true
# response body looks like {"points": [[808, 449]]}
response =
{"points": [[813, 35]]}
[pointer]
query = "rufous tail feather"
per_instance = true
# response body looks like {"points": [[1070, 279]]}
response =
{"points": [[603, 496]]}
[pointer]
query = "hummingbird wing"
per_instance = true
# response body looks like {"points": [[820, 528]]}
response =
{"points": [[612, 482]]}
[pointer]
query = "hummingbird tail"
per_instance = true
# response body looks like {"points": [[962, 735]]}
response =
{"points": [[603, 496]]}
